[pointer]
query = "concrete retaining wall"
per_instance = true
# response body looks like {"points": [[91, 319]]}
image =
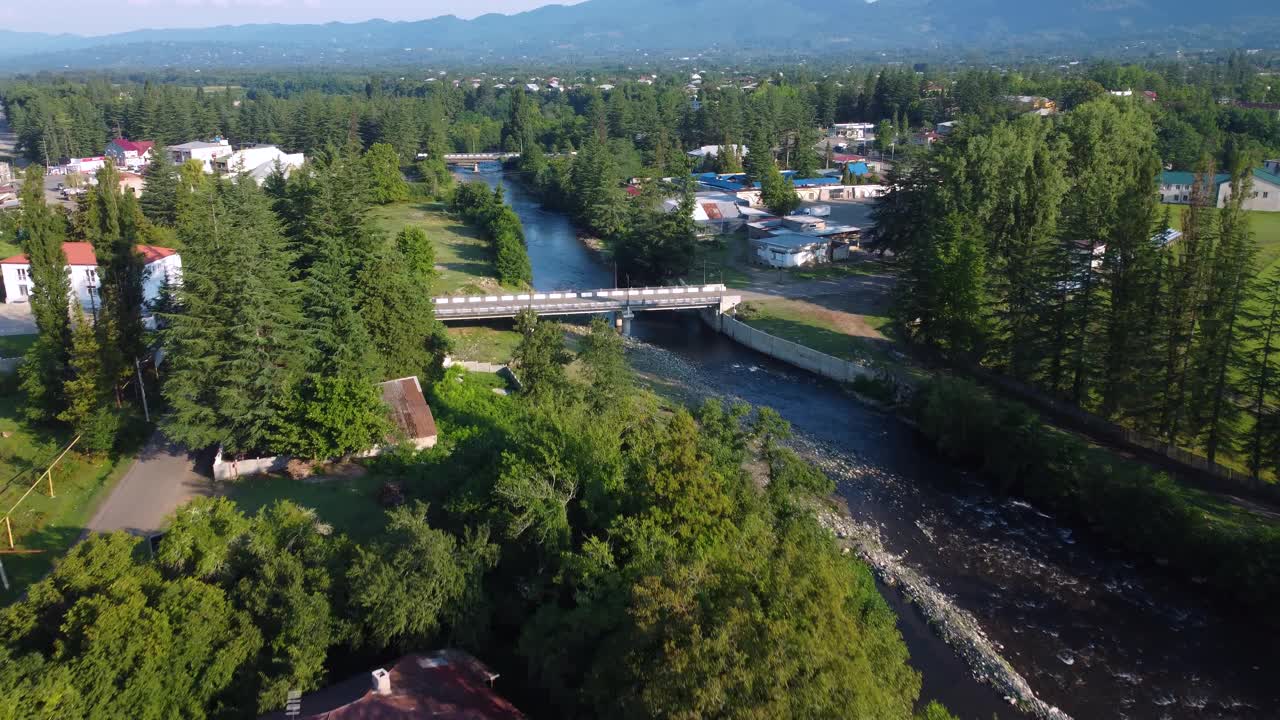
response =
{"points": [[501, 370], [788, 352]]}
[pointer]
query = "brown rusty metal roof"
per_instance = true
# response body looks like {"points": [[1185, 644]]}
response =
{"points": [[409, 409]]}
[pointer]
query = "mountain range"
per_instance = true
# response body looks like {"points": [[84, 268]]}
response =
{"points": [[627, 28]]}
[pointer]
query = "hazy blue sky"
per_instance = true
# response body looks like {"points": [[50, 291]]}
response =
{"points": [[96, 17]]}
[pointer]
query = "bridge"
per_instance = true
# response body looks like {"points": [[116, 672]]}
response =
{"points": [[474, 159], [622, 303]]}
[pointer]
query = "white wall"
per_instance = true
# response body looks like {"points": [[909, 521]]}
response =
{"points": [[81, 280], [169, 268]]}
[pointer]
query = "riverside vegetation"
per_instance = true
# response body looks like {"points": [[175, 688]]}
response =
{"points": [[1199, 535]]}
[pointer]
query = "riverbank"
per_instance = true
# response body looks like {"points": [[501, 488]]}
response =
{"points": [[671, 377], [464, 263], [1092, 632]]}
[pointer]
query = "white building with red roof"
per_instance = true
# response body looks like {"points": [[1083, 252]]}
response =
{"points": [[131, 154], [162, 265]]}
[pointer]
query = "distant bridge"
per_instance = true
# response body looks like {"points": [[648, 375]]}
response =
{"points": [[622, 302], [473, 158]]}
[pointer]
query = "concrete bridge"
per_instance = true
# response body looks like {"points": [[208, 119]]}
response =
{"points": [[474, 159], [621, 303]]}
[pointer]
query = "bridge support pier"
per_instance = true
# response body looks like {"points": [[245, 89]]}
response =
{"points": [[475, 168], [622, 322]]}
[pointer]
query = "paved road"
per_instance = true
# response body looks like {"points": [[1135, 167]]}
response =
{"points": [[16, 319], [162, 479]]}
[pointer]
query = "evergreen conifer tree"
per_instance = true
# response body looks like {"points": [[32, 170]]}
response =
{"points": [[159, 201], [235, 340], [40, 236]]}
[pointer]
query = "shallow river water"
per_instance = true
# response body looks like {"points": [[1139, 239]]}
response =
{"points": [[1094, 632]]}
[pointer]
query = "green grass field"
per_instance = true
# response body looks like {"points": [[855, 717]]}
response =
{"points": [[462, 256], [46, 524], [484, 344], [822, 325], [349, 504], [1266, 230]]}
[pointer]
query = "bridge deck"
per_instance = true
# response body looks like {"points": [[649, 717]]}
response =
{"points": [[591, 302]]}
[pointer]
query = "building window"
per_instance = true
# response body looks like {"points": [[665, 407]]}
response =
{"points": [[91, 274], [1266, 195], [22, 290], [23, 274]]}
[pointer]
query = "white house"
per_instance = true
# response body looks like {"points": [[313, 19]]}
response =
{"points": [[204, 152], [128, 153], [84, 166], [259, 161], [862, 132], [162, 265], [786, 249], [715, 150]]}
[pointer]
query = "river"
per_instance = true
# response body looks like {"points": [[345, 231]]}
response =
{"points": [[1095, 632]]}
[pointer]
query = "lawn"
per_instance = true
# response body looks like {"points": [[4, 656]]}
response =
{"points": [[50, 525], [349, 504], [484, 344], [824, 324], [1266, 231], [462, 256], [15, 345]]}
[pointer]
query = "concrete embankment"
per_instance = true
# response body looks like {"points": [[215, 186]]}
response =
{"points": [[794, 354]]}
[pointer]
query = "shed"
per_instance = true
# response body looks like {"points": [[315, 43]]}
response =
{"points": [[409, 411]]}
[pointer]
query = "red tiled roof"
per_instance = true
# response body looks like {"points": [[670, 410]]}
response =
{"points": [[138, 146], [449, 685], [81, 253]]}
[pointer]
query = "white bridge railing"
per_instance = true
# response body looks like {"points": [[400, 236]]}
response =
{"points": [[579, 302]]}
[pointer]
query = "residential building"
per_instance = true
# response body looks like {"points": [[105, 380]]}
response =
{"points": [[1033, 102], [132, 181], [714, 150], [788, 249], [203, 152], [258, 162], [860, 132], [129, 153], [718, 213], [84, 166], [445, 685], [926, 139], [8, 192], [162, 265], [945, 128], [1264, 195]]}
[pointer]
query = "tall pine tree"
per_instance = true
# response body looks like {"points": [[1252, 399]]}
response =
{"points": [[40, 235]]}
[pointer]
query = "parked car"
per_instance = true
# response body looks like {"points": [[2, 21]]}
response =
{"points": [[816, 210]]}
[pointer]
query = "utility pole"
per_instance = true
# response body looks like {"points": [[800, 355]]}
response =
{"points": [[142, 389]]}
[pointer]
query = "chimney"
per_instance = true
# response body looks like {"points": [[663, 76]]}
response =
{"points": [[381, 681]]}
